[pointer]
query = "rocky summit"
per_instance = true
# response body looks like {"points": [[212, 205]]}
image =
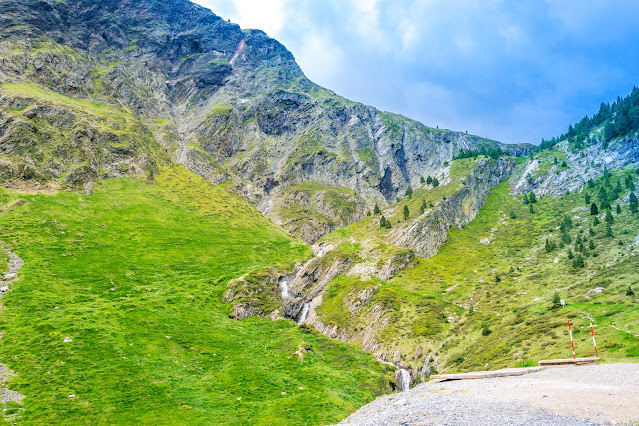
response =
{"points": [[193, 232]]}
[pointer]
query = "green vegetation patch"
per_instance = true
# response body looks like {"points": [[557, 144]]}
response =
{"points": [[134, 274]]}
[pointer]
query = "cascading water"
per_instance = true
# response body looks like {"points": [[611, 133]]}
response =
{"points": [[405, 380], [285, 289], [304, 314]]}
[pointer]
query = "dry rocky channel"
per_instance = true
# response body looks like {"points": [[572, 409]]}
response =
{"points": [[584, 395]]}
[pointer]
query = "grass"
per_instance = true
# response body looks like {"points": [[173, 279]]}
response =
{"points": [[134, 274]]}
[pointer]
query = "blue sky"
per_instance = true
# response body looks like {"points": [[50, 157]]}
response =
{"points": [[515, 71]]}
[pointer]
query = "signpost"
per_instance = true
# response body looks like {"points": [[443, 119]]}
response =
{"points": [[592, 330], [572, 343]]}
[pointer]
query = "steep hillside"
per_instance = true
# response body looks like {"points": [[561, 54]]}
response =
{"points": [[116, 318], [485, 300], [230, 104]]}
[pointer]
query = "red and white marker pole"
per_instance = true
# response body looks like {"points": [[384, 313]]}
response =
{"points": [[572, 343], [592, 330]]}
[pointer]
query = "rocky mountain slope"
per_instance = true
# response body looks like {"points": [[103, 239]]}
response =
{"points": [[96, 89]]}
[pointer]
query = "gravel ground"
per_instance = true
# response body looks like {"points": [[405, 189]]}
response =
{"points": [[583, 395]]}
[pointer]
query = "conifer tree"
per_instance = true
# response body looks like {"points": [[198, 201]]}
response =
{"points": [[587, 198], [406, 212], [609, 230], [618, 209], [593, 209], [382, 222], [532, 198], [422, 180], [596, 221], [609, 218], [633, 203], [591, 245], [376, 210], [566, 238], [435, 182], [429, 180], [570, 254], [409, 192], [526, 199], [578, 262]]}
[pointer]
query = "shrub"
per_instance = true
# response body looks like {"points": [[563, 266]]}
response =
{"points": [[485, 329]]}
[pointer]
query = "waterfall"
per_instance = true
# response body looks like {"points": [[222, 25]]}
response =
{"points": [[304, 314], [405, 380], [284, 287]]}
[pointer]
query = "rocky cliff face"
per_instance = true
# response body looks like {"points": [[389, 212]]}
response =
{"points": [[544, 177], [429, 232], [230, 104]]}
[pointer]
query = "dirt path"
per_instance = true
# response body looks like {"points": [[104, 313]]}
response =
{"points": [[7, 395], [584, 395]]}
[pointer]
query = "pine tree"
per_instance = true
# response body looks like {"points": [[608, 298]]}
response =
{"points": [[429, 180], [548, 246], [526, 199], [593, 209], [591, 232], [409, 192], [406, 212], [587, 198], [578, 262], [634, 205], [532, 198], [630, 291], [376, 210], [609, 230], [570, 254], [591, 246], [618, 209], [567, 223], [564, 164], [556, 300], [368, 213], [566, 238], [609, 218], [497, 278], [421, 210], [422, 180], [435, 182], [382, 222], [596, 221]]}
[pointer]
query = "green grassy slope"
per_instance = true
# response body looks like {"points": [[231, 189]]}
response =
{"points": [[443, 304], [134, 274]]}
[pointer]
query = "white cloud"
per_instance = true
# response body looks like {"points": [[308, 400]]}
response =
{"points": [[269, 16]]}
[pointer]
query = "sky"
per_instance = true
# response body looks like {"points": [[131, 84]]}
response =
{"points": [[515, 71]]}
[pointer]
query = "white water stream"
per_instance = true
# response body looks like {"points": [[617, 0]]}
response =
{"points": [[304, 314], [285, 289], [405, 378]]}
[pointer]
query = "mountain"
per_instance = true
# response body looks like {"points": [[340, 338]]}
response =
{"points": [[132, 85], [195, 232]]}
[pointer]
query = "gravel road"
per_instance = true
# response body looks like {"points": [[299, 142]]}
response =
{"points": [[583, 395]]}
